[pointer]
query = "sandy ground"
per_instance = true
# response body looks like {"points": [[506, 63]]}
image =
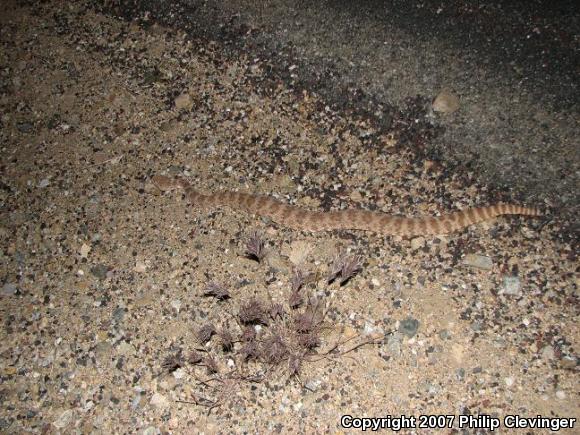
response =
{"points": [[127, 310]]}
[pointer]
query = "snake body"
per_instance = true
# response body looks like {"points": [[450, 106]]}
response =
{"points": [[302, 219]]}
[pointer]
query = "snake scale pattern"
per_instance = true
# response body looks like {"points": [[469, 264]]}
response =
{"points": [[351, 219]]}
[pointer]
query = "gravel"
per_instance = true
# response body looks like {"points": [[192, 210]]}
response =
{"points": [[103, 275]]}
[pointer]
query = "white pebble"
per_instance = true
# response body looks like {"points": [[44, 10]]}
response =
{"points": [[176, 305]]}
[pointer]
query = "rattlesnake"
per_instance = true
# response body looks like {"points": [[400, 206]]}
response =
{"points": [[302, 219]]}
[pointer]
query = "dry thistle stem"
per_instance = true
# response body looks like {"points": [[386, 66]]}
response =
{"points": [[295, 300], [305, 323], [310, 319], [249, 333], [172, 362], [299, 278], [205, 333], [217, 291], [194, 357], [294, 365], [344, 266], [252, 312], [309, 341], [211, 364], [227, 340], [273, 349], [249, 351], [276, 311], [255, 247]]}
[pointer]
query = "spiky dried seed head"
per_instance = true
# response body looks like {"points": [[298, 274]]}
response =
{"points": [[299, 278], [252, 312], [172, 362], [309, 341], [227, 340], [344, 266], [304, 323], [273, 349], [205, 333], [310, 319], [255, 247], [211, 364], [351, 266], [249, 333], [217, 291], [194, 357], [276, 311], [295, 300], [249, 351], [294, 365]]}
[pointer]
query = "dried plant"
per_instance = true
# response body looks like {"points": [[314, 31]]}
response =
{"points": [[211, 364], [295, 300], [249, 333], [205, 333], [273, 349], [255, 247], [194, 357], [172, 362], [344, 267], [227, 340], [304, 323], [310, 319], [217, 291], [309, 341], [249, 351], [252, 312], [294, 364], [299, 278], [276, 311]]}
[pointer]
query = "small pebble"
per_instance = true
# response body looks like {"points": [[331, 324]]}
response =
{"points": [[118, 314], [446, 102], [394, 344], [409, 327], [313, 384], [369, 328], [444, 334], [159, 400], [84, 251], [140, 267], [179, 373], [417, 243], [64, 419], [100, 271], [9, 289], [24, 127], [176, 305], [478, 261], [183, 101], [511, 286], [548, 352]]}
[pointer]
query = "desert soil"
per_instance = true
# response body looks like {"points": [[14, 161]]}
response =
{"points": [[127, 310]]}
